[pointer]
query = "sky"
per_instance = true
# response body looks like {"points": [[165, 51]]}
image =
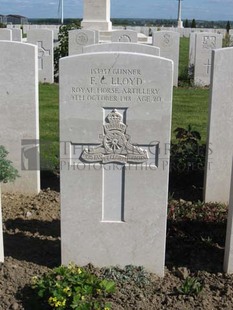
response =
{"points": [[198, 9]]}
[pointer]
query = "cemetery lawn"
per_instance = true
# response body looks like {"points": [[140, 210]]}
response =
{"points": [[194, 251]]}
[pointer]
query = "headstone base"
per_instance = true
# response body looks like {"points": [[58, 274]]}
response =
{"points": [[96, 25]]}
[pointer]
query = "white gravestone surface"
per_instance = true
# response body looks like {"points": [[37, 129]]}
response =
{"points": [[192, 41], [43, 38], [122, 47], [19, 117], [220, 142], [80, 38], [115, 120], [205, 42], [169, 44], [228, 255], [96, 15], [16, 34], [5, 34], [128, 36]]}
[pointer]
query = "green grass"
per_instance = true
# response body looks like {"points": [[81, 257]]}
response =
{"points": [[183, 59], [190, 107], [49, 125]]}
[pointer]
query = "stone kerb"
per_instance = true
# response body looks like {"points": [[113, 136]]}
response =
{"points": [[19, 117], [115, 115], [220, 128], [122, 47]]}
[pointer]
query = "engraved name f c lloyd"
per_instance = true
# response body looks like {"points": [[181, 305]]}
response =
{"points": [[116, 146]]}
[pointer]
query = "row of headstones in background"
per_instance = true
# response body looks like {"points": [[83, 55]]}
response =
{"points": [[43, 38], [169, 44], [11, 34], [200, 48], [115, 115], [80, 38]]}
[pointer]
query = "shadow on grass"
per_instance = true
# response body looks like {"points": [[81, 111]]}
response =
{"points": [[195, 245]]}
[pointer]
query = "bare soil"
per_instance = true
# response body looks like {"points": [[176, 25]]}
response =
{"points": [[194, 248]]}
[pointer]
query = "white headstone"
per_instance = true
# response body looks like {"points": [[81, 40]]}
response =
{"points": [[228, 256], [19, 117], [96, 15], [128, 36], [16, 34], [169, 44], [80, 38], [5, 34], [43, 38], [192, 41], [115, 114], [122, 47], [205, 42], [220, 142]]}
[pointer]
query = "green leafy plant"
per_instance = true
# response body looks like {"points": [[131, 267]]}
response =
{"points": [[129, 273], [72, 287], [187, 154], [7, 172], [191, 286]]}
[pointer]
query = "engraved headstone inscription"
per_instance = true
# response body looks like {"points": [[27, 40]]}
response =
{"points": [[80, 38], [205, 42], [220, 128], [126, 36], [115, 121], [43, 38], [169, 44]]}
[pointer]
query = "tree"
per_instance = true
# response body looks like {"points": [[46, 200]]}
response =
{"points": [[193, 24], [62, 49], [228, 27], [186, 24]]}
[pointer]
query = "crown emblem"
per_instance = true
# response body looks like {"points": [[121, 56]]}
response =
{"points": [[114, 122], [116, 146]]}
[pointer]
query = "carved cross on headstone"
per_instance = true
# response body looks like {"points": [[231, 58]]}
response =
{"points": [[116, 153], [42, 52], [208, 66]]}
